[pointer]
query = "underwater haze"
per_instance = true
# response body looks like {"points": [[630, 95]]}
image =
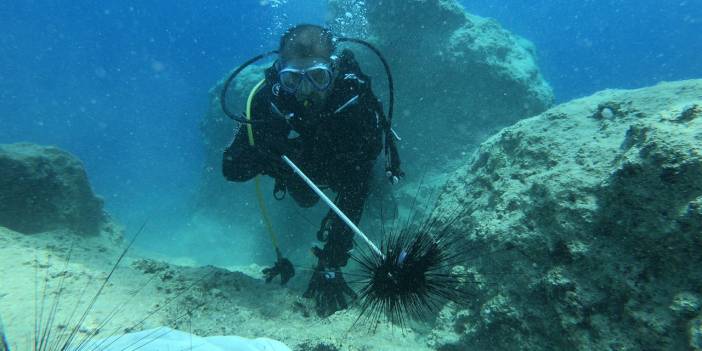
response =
{"points": [[123, 85], [586, 46], [552, 198]]}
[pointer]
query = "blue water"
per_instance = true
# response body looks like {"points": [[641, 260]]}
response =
{"points": [[590, 45], [124, 84]]}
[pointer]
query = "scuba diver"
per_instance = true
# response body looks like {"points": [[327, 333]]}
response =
{"points": [[319, 110]]}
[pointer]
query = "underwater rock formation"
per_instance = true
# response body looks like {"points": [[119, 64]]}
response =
{"points": [[590, 219], [44, 188], [458, 77]]}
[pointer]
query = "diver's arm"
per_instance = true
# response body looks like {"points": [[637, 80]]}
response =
{"points": [[241, 161]]}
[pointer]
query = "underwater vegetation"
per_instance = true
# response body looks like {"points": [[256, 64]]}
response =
{"points": [[3, 340]]}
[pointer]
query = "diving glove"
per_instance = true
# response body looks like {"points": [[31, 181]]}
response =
{"points": [[282, 267]]}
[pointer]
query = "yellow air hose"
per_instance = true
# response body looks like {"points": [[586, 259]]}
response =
{"points": [[257, 179]]}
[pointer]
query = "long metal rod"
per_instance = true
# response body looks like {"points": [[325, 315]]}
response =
{"points": [[331, 205]]}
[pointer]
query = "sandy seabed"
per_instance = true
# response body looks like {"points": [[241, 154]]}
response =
{"points": [[143, 293]]}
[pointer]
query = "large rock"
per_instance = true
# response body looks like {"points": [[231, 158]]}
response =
{"points": [[458, 77], [44, 188], [590, 219]]}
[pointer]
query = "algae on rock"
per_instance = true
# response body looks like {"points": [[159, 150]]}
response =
{"points": [[44, 188], [594, 211]]}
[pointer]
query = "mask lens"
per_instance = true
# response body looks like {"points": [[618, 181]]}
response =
{"points": [[320, 77], [290, 80]]}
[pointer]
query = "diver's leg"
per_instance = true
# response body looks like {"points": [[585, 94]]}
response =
{"points": [[352, 189]]}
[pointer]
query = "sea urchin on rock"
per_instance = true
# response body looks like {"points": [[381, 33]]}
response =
{"points": [[414, 277]]}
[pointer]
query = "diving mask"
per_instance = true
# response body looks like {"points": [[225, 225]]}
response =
{"points": [[319, 75]]}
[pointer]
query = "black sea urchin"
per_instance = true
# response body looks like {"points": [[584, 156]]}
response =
{"points": [[414, 277], [412, 273]]}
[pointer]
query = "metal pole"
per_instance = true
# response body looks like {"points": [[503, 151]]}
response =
{"points": [[331, 205]]}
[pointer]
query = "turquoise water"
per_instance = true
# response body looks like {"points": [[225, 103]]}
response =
{"points": [[124, 86]]}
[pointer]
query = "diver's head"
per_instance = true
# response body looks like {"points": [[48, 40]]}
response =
{"points": [[305, 64]]}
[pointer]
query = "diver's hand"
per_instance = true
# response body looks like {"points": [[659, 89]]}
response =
{"points": [[329, 290], [270, 154], [276, 146], [274, 149], [271, 272], [282, 267]]}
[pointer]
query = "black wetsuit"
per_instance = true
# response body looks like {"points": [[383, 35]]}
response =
{"points": [[336, 146]]}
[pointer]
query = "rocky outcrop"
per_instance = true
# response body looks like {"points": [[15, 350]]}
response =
{"points": [[458, 77], [589, 216], [44, 188]]}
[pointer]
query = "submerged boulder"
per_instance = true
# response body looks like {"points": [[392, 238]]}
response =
{"points": [[589, 216], [458, 77], [44, 188]]}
